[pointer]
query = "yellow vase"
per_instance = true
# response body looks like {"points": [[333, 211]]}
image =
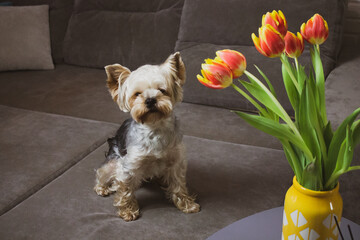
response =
{"points": [[309, 215]]}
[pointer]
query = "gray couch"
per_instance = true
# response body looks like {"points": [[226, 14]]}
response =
{"points": [[54, 123]]}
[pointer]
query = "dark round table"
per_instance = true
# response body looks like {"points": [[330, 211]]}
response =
{"points": [[268, 225]]}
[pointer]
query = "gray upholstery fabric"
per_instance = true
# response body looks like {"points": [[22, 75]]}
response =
{"points": [[68, 90], [38, 147], [229, 187], [231, 181], [195, 92], [81, 92], [228, 24], [25, 38], [343, 88], [107, 32], [59, 15], [231, 22]]}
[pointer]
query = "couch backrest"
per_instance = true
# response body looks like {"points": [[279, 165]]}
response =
{"points": [[129, 32], [207, 26], [231, 22]]}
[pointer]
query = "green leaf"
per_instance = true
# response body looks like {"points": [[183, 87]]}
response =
{"points": [[272, 90], [262, 94], [337, 140], [356, 132], [311, 178], [278, 130], [252, 101], [293, 158], [291, 90], [328, 134], [273, 115], [285, 62], [344, 157], [307, 121]]}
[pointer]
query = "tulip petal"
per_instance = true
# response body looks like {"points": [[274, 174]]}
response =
{"points": [[234, 60], [256, 41], [315, 30], [208, 83], [273, 40], [276, 20], [294, 45]]}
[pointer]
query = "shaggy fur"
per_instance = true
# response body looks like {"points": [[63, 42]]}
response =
{"points": [[149, 145]]}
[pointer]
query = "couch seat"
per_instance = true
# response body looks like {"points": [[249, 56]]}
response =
{"points": [[38, 147]]}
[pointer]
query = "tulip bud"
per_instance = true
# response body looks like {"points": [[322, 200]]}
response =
{"points": [[315, 30], [270, 42], [234, 60], [276, 20], [294, 45], [215, 74]]}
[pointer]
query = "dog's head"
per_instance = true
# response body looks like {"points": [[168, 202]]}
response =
{"points": [[150, 92]]}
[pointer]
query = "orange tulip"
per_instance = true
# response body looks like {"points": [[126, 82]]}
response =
{"points": [[315, 30], [294, 45], [276, 20], [215, 74], [234, 60], [270, 42]]}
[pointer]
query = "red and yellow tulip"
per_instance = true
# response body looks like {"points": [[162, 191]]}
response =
{"points": [[215, 74], [315, 30], [234, 60], [276, 20], [294, 45], [270, 42]]}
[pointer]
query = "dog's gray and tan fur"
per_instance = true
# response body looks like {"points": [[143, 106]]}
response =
{"points": [[149, 145]]}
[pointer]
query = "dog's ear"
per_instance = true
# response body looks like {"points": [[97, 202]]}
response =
{"points": [[116, 77], [176, 65]]}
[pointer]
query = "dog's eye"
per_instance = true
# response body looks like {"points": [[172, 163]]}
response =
{"points": [[137, 94], [162, 90]]}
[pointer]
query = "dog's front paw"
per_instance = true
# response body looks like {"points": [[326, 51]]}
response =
{"points": [[191, 207], [186, 203], [129, 214], [101, 190]]}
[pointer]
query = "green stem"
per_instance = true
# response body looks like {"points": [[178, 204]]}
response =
{"points": [[297, 64]]}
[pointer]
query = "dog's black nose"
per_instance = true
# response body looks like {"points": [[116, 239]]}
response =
{"points": [[150, 102]]}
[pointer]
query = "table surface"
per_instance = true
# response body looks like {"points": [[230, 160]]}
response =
{"points": [[270, 222]]}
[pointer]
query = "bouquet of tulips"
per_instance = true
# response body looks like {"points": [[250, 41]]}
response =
{"points": [[317, 154]]}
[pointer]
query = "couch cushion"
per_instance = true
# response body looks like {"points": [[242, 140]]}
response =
{"points": [[131, 33], [232, 22], [25, 38], [229, 180], [81, 92], [68, 90], [221, 125], [59, 15], [229, 24], [38, 147], [195, 92], [342, 88]]}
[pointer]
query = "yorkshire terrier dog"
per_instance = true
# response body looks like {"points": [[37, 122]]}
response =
{"points": [[148, 145]]}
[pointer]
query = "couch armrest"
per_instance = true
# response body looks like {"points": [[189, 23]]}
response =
{"points": [[342, 87]]}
